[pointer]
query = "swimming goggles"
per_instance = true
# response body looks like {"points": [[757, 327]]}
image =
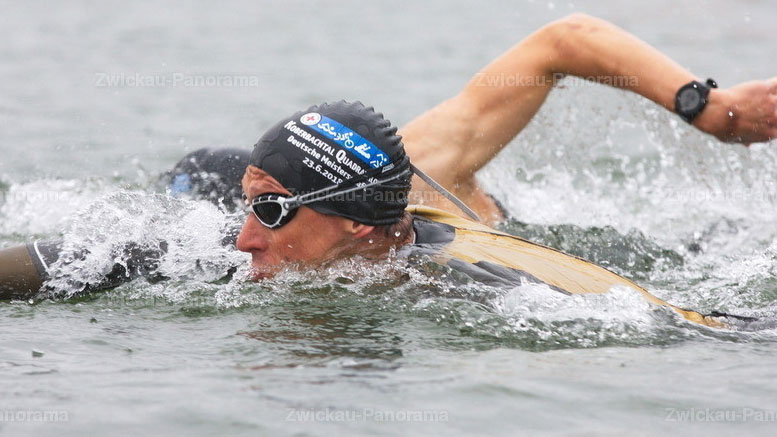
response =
{"points": [[274, 210]]}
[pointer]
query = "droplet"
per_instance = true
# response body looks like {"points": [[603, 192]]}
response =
{"points": [[370, 241], [290, 246], [730, 114], [397, 234]]}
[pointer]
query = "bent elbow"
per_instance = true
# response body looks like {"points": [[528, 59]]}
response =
{"points": [[577, 19], [577, 22], [565, 37]]}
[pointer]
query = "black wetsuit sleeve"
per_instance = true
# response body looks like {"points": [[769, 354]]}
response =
{"points": [[25, 270]]}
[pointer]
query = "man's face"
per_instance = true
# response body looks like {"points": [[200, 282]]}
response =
{"points": [[309, 238]]}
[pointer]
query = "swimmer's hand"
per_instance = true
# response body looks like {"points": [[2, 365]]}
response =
{"points": [[745, 113]]}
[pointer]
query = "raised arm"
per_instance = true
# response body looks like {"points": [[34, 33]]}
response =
{"points": [[590, 47], [459, 136]]}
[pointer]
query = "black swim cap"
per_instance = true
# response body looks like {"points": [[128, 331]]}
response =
{"points": [[211, 174], [339, 144]]}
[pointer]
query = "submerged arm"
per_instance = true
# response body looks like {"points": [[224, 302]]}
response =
{"points": [[25, 270]]}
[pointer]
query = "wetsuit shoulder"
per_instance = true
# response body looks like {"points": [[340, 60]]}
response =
{"points": [[429, 232]]}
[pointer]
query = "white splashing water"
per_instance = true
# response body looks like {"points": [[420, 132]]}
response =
{"points": [[189, 233], [44, 207], [633, 165], [538, 301]]}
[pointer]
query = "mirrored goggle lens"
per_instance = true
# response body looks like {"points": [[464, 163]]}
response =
{"points": [[270, 212]]}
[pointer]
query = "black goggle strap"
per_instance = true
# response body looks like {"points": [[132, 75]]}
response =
{"points": [[320, 194], [448, 195]]}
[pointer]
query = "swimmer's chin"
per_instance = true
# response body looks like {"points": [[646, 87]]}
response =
{"points": [[260, 273], [262, 270]]}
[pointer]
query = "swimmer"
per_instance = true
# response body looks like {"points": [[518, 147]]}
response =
{"points": [[334, 180]]}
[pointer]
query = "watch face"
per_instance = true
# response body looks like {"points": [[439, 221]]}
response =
{"points": [[689, 99]]}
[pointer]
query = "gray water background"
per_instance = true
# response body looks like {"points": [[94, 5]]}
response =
{"points": [[628, 182]]}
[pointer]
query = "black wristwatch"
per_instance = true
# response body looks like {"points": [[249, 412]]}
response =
{"points": [[691, 99]]}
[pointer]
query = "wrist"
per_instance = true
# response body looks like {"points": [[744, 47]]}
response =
{"points": [[717, 118]]}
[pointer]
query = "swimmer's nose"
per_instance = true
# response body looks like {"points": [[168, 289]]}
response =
{"points": [[253, 236]]}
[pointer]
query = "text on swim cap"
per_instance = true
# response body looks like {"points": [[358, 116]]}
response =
{"points": [[350, 140], [320, 151]]}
